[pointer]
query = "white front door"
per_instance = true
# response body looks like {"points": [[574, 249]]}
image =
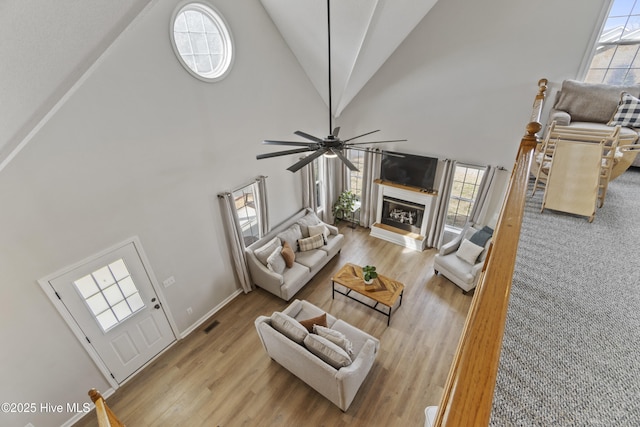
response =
{"points": [[112, 300]]}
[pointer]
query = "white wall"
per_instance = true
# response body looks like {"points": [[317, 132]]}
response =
{"points": [[461, 86], [142, 148]]}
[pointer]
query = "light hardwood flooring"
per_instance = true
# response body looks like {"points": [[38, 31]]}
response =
{"points": [[225, 378]]}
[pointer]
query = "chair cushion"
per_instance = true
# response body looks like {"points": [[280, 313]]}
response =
{"points": [[311, 259], [469, 251], [628, 112], [591, 102]]}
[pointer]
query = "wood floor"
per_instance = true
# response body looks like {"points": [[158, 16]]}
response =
{"points": [[225, 378]]}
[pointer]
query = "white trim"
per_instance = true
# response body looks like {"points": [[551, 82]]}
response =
{"points": [[588, 54], [73, 325], [213, 311]]}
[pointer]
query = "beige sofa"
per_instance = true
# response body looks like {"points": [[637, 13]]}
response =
{"points": [[310, 254], [325, 368], [592, 106]]}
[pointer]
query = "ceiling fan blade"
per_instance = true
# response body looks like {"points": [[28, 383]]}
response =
{"points": [[294, 143], [306, 135], [302, 163], [282, 153], [374, 151], [345, 160], [364, 134], [376, 142], [336, 131]]}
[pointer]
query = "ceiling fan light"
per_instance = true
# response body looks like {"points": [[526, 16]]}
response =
{"points": [[330, 155]]}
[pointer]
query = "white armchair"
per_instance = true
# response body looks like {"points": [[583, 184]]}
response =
{"points": [[462, 266]]}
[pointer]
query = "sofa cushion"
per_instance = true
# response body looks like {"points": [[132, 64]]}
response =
{"points": [[327, 351], [288, 254], [313, 242], [291, 236], [591, 102], [335, 337], [288, 327], [628, 112], [276, 262], [314, 321], [469, 251], [309, 219], [264, 251], [312, 258], [333, 245]]}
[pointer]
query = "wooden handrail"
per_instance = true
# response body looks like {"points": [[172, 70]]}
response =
{"points": [[106, 418], [468, 393]]}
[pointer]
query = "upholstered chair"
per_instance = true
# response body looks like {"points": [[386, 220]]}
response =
{"points": [[461, 259]]}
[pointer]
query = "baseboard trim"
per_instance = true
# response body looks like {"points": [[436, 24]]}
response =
{"points": [[207, 316]]}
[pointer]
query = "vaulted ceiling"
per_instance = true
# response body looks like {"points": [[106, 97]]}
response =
{"points": [[364, 33], [48, 46]]}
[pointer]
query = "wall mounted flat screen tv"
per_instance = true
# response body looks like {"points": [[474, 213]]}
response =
{"points": [[410, 169]]}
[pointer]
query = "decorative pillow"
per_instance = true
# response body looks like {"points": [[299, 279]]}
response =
{"points": [[591, 102], [309, 219], [469, 251], [288, 255], [312, 242], [335, 337], [291, 236], [289, 327], [481, 237], [319, 229], [314, 321], [263, 252], [276, 262], [327, 351], [628, 112]]}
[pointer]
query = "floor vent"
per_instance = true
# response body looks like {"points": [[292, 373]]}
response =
{"points": [[211, 326]]}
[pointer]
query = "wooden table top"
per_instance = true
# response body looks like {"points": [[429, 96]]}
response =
{"points": [[383, 289]]}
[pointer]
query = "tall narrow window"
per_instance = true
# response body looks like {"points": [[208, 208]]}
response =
{"points": [[245, 204], [319, 171], [464, 190], [615, 57], [355, 177]]}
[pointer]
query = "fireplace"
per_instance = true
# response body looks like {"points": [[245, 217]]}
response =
{"points": [[402, 214]]}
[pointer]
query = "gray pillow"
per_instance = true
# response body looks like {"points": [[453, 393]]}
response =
{"points": [[263, 252], [289, 327], [276, 262], [327, 351], [291, 236], [307, 220], [591, 102]]}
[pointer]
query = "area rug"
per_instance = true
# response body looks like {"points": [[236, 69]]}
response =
{"points": [[571, 348]]}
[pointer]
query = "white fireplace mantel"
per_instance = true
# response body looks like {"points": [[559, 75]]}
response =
{"points": [[412, 240]]}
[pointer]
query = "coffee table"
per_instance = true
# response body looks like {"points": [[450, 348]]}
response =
{"points": [[383, 290]]}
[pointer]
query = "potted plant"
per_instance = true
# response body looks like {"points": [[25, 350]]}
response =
{"points": [[343, 207], [369, 273]]}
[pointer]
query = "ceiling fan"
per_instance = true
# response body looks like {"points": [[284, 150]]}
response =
{"points": [[331, 145]]}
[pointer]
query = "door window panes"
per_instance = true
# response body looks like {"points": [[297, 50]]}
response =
{"points": [[110, 293]]}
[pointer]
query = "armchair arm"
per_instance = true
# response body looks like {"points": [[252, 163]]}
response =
{"points": [[350, 378], [561, 118], [452, 246]]}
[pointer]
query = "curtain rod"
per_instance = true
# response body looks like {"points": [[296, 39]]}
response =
{"points": [[257, 178]]}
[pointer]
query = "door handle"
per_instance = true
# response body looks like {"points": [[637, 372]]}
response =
{"points": [[153, 300], [157, 306]]}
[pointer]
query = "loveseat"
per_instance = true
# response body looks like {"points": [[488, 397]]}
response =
{"points": [[593, 106], [334, 359], [286, 258]]}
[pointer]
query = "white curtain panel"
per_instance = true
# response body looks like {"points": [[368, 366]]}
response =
{"points": [[309, 194], [436, 233], [334, 184], [236, 242], [260, 192], [484, 191], [369, 202]]}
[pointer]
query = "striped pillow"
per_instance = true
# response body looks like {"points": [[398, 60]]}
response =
{"points": [[312, 242]]}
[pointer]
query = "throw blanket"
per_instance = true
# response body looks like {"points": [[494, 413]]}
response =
{"points": [[480, 237]]}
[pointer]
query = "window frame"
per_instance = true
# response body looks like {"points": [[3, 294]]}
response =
{"points": [[228, 45], [451, 225], [586, 73]]}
